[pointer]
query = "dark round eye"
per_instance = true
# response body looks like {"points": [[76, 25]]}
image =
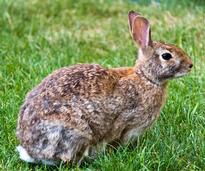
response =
{"points": [[166, 56]]}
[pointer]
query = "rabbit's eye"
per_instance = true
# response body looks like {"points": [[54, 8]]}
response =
{"points": [[166, 56]]}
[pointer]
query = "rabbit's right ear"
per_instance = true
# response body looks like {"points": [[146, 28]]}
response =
{"points": [[140, 29]]}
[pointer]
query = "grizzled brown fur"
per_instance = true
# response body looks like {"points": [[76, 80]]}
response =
{"points": [[77, 108]]}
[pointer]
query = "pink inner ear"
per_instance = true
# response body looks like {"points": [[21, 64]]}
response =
{"points": [[131, 16], [141, 32], [144, 36]]}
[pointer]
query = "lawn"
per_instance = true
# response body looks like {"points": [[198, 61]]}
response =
{"points": [[37, 37]]}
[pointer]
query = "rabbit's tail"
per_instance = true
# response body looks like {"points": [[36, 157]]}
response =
{"points": [[24, 155], [27, 158]]}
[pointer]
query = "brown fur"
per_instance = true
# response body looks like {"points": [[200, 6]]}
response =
{"points": [[77, 108]]}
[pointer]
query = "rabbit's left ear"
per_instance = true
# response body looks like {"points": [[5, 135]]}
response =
{"points": [[140, 29]]}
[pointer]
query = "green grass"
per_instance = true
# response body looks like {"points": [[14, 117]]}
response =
{"points": [[37, 37]]}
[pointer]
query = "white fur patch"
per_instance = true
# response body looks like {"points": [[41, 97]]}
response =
{"points": [[27, 158], [24, 155], [140, 54], [180, 74]]}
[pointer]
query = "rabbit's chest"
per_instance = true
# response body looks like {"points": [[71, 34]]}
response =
{"points": [[150, 105], [144, 107], [145, 101], [141, 117]]}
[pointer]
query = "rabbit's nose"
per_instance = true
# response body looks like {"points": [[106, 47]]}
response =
{"points": [[190, 66]]}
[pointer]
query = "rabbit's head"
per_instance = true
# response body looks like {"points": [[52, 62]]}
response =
{"points": [[157, 60]]}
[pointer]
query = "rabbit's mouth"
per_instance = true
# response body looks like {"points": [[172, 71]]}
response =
{"points": [[182, 70], [171, 73], [182, 73]]}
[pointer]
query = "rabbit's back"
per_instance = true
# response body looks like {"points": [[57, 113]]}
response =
{"points": [[81, 79]]}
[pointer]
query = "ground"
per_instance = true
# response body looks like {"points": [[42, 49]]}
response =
{"points": [[37, 37]]}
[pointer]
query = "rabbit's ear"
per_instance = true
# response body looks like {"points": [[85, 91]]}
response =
{"points": [[131, 16], [140, 29]]}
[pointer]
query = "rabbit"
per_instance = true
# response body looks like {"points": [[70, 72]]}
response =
{"points": [[77, 110]]}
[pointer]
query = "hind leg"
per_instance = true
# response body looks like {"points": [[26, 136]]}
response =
{"points": [[50, 142], [72, 147]]}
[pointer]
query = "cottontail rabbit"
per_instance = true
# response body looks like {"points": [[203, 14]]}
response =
{"points": [[76, 109]]}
